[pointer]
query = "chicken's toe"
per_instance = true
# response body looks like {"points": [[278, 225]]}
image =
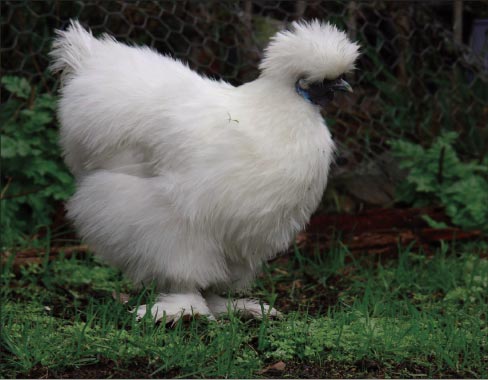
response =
{"points": [[171, 307], [246, 306]]}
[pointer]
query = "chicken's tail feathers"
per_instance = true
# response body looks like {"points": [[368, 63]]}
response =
{"points": [[70, 48]]}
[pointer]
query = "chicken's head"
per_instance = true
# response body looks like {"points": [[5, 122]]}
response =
{"points": [[312, 56]]}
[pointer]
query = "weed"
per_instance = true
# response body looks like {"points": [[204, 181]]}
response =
{"points": [[381, 317], [33, 175], [437, 176]]}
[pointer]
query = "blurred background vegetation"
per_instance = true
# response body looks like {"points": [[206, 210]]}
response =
{"points": [[414, 133]]}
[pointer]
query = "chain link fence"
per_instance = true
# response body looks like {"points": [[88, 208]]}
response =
{"points": [[413, 80]]}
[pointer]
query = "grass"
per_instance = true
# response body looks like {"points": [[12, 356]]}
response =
{"points": [[415, 315]]}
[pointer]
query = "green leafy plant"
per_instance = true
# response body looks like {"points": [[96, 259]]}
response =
{"points": [[430, 99], [437, 176], [34, 178]]}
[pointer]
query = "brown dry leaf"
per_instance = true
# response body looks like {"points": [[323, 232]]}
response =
{"points": [[301, 238], [296, 284], [278, 366], [121, 297], [281, 271]]}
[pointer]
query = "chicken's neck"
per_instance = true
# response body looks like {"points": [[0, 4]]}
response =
{"points": [[279, 104]]}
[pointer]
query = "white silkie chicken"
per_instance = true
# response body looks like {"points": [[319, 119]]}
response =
{"points": [[190, 182]]}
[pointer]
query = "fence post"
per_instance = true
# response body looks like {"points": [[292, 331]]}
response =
{"points": [[457, 23]]}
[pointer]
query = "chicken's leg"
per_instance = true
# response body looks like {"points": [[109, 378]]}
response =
{"points": [[176, 305]]}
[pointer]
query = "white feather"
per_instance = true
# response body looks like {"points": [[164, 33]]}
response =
{"points": [[312, 50], [187, 181]]}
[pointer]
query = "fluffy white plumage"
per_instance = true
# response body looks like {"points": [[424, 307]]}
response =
{"points": [[190, 182]]}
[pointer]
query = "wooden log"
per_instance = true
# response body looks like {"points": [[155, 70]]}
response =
{"points": [[376, 219]]}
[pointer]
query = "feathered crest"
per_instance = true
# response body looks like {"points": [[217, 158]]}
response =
{"points": [[311, 49]]}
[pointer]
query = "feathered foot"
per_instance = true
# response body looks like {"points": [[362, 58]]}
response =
{"points": [[175, 306], [245, 306]]}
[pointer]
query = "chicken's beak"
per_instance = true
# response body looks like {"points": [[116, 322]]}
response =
{"points": [[341, 85]]}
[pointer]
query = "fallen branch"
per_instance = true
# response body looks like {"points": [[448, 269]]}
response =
{"points": [[381, 231], [38, 255]]}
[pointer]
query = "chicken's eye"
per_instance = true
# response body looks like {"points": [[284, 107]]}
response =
{"points": [[303, 84]]}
